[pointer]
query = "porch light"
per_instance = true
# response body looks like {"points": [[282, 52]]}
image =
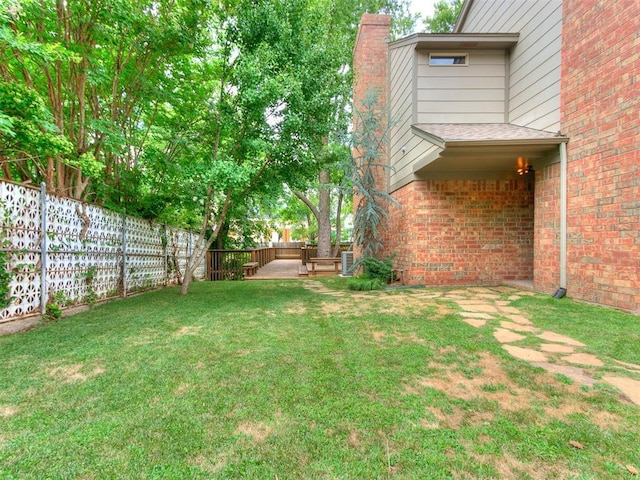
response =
{"points": [[523, 166]]}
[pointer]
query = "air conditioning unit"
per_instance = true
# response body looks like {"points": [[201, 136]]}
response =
{"points": [[347, 263]]}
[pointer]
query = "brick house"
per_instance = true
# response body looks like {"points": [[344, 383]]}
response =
{"points": [[514, 146]]}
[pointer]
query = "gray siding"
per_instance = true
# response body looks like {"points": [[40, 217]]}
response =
{"points": [[401, 80], [534, 80], [462, 94]]}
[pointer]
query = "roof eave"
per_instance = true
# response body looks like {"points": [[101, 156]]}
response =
{"points": [[456, 41], [504, 142]]}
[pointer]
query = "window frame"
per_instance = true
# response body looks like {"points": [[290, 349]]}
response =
{"points": [[453, 56]]}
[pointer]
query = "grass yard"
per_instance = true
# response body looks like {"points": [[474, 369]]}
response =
{"points": [[266, 380]]}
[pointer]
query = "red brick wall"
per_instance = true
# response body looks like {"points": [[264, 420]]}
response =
{"points": [[463, 232], [370, 58], [601, 115], [546, 276], [370, 66]]}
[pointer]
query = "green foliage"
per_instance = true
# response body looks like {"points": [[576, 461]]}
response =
{"points": [[89, 277], [444, 17], [369, 140], [379, 269], [365, 283], [5, 279], [28, 125], [53, 312]]}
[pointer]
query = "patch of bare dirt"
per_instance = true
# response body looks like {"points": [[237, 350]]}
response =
{"points": [[509, 467], [396, 337], [182, 388], [76, 372], [331, 308], [258, 431], [187, 330], [297, 308], [456, 384], [7, 411]]}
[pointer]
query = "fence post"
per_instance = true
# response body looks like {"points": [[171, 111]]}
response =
{"points": [[43, 248], [165, 254], [124, 254]]}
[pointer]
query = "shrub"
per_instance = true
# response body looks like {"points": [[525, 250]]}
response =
{"points": [[365, 283], [53, 312], [379, 269]]}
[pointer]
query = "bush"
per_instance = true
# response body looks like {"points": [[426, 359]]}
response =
{"points": [[53, 312], [365, 283], [379, 269]]}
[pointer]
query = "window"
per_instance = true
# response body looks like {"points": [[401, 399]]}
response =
{"points": [[439, 59]]}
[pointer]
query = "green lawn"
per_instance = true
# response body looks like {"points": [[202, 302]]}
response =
{"points": [[265, 380]]}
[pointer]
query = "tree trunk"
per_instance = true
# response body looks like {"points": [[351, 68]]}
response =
{"points": [[324, 215], [336, 248]]}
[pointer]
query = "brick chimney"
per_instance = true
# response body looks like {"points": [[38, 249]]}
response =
{"points": [[370, 58], [371, 76]]}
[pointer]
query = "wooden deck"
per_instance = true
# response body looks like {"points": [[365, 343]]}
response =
{"points": [[287, 269]]}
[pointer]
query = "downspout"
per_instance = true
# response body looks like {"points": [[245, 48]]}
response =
{"points": [[561, 292]]}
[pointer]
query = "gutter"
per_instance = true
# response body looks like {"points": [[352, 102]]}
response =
{"points": [[562, 290]]}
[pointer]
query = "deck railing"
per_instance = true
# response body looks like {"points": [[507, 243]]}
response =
{"points": [[227, 264]]}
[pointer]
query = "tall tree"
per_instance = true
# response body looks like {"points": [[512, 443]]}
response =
{"points": [[444, 17], [101, 94]]}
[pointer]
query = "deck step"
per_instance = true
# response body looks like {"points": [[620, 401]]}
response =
{"points": [[302, 270]]}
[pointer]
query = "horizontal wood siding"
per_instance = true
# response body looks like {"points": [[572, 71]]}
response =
{"points": [[457, 94], [401, 73], [534, 80]]}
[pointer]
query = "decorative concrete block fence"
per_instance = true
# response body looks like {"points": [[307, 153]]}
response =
{"points": [[66, 252]]}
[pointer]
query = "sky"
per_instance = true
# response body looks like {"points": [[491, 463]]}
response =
{"points": [[423, 7]]}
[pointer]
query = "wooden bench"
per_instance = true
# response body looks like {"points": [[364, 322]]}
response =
{"points": [[249, 269], [316, 260]]}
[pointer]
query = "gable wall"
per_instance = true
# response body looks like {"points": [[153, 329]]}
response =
{"points": [[534, 68], [401, 95], [474, 93]]}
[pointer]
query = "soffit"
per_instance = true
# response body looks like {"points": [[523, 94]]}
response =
{"points": [[458, 41], [474, 147]]}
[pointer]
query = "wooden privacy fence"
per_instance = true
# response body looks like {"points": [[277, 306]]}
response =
{"points": [[59, 250]]}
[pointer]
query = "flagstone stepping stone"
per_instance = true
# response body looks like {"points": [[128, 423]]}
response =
{"points": [[556, 348], [584, 359], [518, 328], [511, 310], [520, 319], [484, 316], [489, 296], [457, 292], [514, 297], [629, 387], [526, 354], [478, 307], [479, 290], [507, 336], [574, 373], [556, 337], [477, 323]]}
